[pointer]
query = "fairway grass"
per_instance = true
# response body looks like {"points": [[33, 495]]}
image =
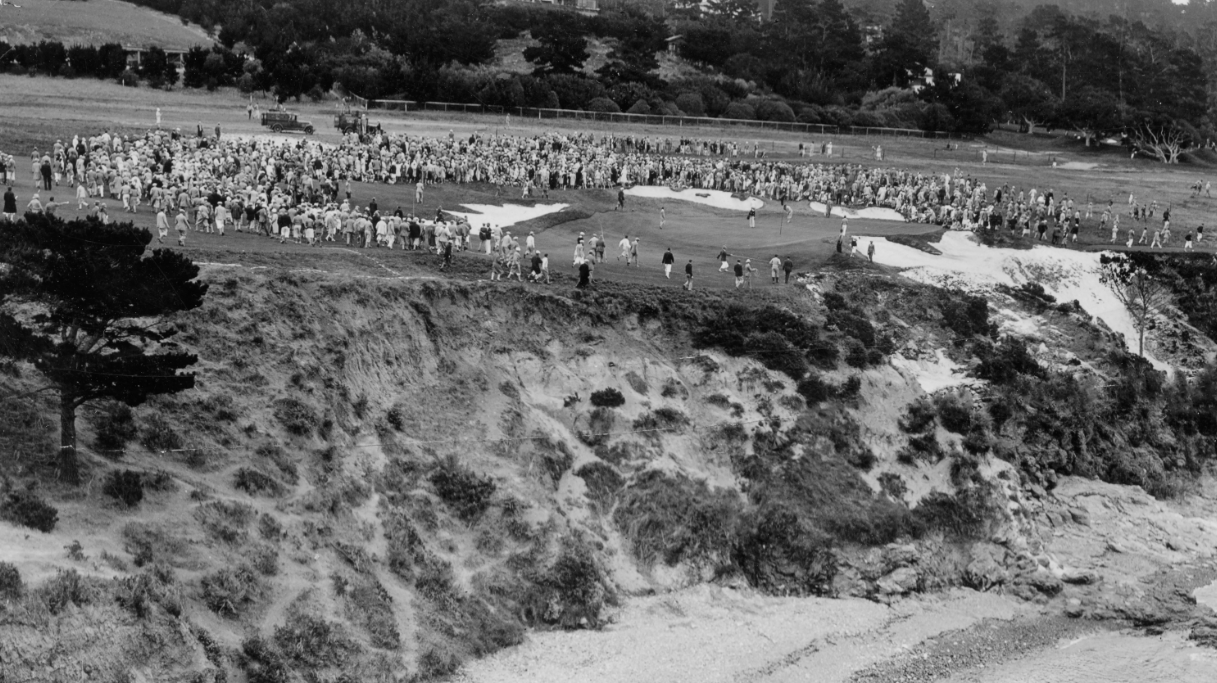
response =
{"points": [[36, 111]]}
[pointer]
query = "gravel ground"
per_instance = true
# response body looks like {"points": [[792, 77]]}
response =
{"points": [[987, 644]]}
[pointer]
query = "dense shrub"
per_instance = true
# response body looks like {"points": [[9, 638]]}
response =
{"points": [[67, 587], [1004, 362], [852, 325], [774, 110], [603, 105], [126, 486], [661, 420], [855, 354], [229, 591], [26, 508], [314, 643], [574, 590], [599, 427], [150, 544], [739, 110], [954, 413], [466, 492], [262, 662], [918, 417], [967, 316], [602, 482], [295, 416], [814, 389], [255, 482], [607, 398], [11, 585], [115, 428], [159, 436], [675, 519], [776, 353]]}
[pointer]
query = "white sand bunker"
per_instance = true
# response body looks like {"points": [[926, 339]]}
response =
{"points": [[874, 213], [1078, 166], [932, 375], [505, 215], [716, 198], [964, 264]]}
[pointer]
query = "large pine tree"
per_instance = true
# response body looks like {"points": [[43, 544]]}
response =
{"points": [[89, 308]]}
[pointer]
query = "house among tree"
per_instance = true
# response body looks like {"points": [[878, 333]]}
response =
{"points": [[926, 79], [674, 43], [135, 56]]}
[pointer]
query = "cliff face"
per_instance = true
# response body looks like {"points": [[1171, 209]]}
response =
{"points": [[379, 479]]}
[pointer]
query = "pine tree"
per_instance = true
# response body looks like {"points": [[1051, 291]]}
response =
{"points": [[85, 304]]}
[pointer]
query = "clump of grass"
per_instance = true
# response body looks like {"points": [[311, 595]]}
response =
{"points": [[256, 482], [225, 520], [155, 587], [296, 416], [314, 643], [67, 587], [893, 486], [149, 544], [126, 487], [229, 591], [599, 427], [369, 605], [280, 459], [661, 420], [262, 662], [637, 383]]}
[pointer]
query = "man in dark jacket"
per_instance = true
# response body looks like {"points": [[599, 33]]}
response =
{"points": [[667, 261], [788, 266]]}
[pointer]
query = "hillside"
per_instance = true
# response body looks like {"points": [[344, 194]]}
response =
{"points": [[384, 478], [96, 22]]}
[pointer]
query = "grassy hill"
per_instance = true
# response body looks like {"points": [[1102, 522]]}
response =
{"points": [[95, 22]]}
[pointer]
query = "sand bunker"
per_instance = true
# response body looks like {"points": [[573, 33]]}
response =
{"points": [[964, 264], [932, 375], [873, 213], [505, 215], [716, 198]]}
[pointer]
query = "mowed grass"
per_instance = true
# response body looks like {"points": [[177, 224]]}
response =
{"points": [[38, 110], [95, 22]]}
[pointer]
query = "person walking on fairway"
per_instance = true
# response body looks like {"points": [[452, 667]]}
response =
{"points": [[787, 266], [620, 199], [667, 261], [775, 265], [634, 252], [181, 227], [789, 213], [749, 271], [724, 264], [162, 226], [751, 217], [870, 251], [624, 244], [739, 273], [689, 275], [662, 217], [10, 206]]}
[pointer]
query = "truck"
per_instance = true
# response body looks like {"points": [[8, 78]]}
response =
{"points": [[284, 121], [355, 121]]}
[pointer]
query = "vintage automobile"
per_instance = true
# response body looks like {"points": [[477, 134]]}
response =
{"points": [[283, 121]]}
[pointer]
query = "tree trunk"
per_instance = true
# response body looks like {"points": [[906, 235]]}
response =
{"points": [[69, 466], [1141, 339]]}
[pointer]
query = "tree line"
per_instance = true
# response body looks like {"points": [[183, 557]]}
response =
{"points": [[815, 61]]}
